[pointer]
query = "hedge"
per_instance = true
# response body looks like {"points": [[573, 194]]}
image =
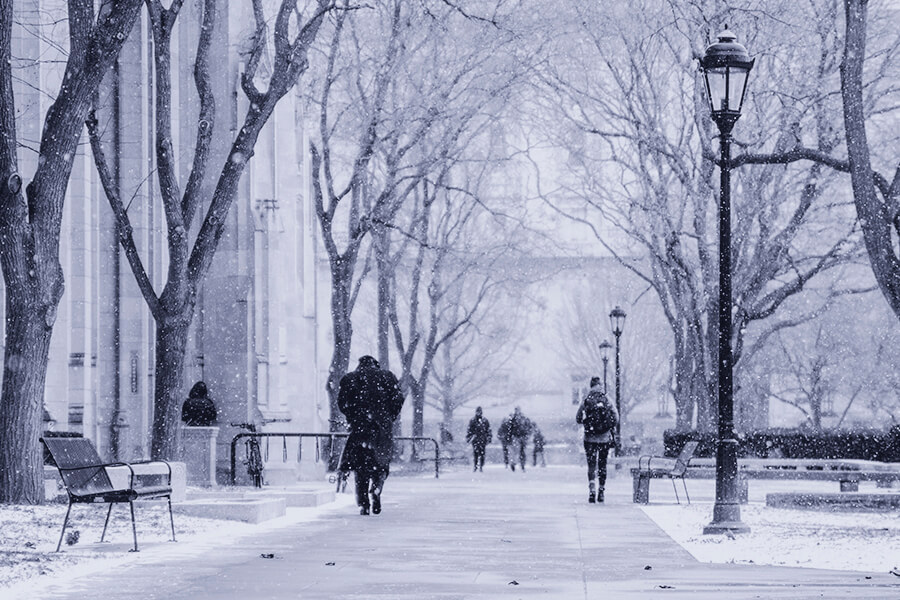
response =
{"points": [[864, 444]]}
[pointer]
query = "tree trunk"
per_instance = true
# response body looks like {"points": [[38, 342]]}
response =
{"points": [[30, 228], [417, 391], [384, 274], [24, 371], [171, 344], [873, 214]]}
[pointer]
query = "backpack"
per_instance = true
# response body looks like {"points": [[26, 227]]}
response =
{"points": [[598, 418]]}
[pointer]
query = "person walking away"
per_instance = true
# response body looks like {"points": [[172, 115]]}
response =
{"points": [[479, 435], [538, 447], [505, 439], [598, 416], [199, 410], [370, 399], [520, 428]]}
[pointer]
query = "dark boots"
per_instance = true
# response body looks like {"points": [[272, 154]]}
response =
{"points": [[376, 500], [594, 494]]}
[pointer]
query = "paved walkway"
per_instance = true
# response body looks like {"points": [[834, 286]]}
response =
{"points": [[486, 535]]}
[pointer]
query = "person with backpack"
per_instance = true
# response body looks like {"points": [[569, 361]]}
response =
{"points": [[599, 418]]}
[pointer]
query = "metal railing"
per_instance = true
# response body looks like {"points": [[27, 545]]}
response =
{"points": [[330, 436]]}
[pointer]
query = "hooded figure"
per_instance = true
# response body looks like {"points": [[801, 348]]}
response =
{"points": [[370, 399], [199, 410]]}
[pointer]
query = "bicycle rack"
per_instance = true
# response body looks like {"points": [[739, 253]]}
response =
{"points": [[330, 436]]}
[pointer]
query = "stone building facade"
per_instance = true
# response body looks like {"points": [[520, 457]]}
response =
{"points": [[254, 332]]}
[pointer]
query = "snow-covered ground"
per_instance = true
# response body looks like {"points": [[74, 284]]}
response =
{"points": [[29, 534], [793, 538], [855, 541], [862, 541]]}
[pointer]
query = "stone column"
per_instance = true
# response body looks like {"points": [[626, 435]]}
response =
{"points": [[198, 451]]}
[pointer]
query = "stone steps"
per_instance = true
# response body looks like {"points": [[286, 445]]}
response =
{"points": [[249, 504]]}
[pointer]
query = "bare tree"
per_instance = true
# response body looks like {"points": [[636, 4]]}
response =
{"points": [[392, 79], [468, 363], [808, 379], [580, 329], [876, 195], [30, 223], [173, 308], [453, 281], [648, 174]]}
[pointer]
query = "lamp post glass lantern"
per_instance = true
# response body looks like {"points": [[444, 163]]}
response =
{"points": [[604, 356], [617, 324], [725, 68]]}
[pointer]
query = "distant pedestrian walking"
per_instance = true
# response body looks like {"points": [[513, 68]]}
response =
{"points": [[598, 416], [199, 410], [479, 435], [538, 447], [370, 399], [519, 430], [505, 439]]}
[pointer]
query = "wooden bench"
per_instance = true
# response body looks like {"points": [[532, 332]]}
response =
{"points": [[848, 473], [87, 479]]}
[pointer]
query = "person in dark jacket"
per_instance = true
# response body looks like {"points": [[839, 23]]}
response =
{"points": [[505, 439], [199, 410], [537, 442], [520, 428], [599, 436], [479, 435], [370, 399]]}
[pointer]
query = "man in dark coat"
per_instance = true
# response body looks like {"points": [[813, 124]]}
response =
{"points": [[520, 428], [505, 439], [479, 435], [370, 399]]}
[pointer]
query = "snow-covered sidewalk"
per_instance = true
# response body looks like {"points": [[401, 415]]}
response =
{"points": [[469, 535]]}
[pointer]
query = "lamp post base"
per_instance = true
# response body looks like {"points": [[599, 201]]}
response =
{"points": [[726, 519]]}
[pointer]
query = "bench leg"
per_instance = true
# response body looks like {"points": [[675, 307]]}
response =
{"points": [[65, 522], [105, 523], [133, 528], [743, 490], [171, 520], [641, 491], [675, 487], [849, 486]]}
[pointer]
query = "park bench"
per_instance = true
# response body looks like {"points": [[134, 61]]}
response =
{"points": [[848, 473], [646, 471], [88, 479]]}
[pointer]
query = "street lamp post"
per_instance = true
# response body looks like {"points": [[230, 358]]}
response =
{"points": [[617, 324], [604, 356], [725, 67]]}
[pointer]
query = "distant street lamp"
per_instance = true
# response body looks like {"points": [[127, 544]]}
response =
{"points": [[604, 356], [725, 68], [617, 324]]}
